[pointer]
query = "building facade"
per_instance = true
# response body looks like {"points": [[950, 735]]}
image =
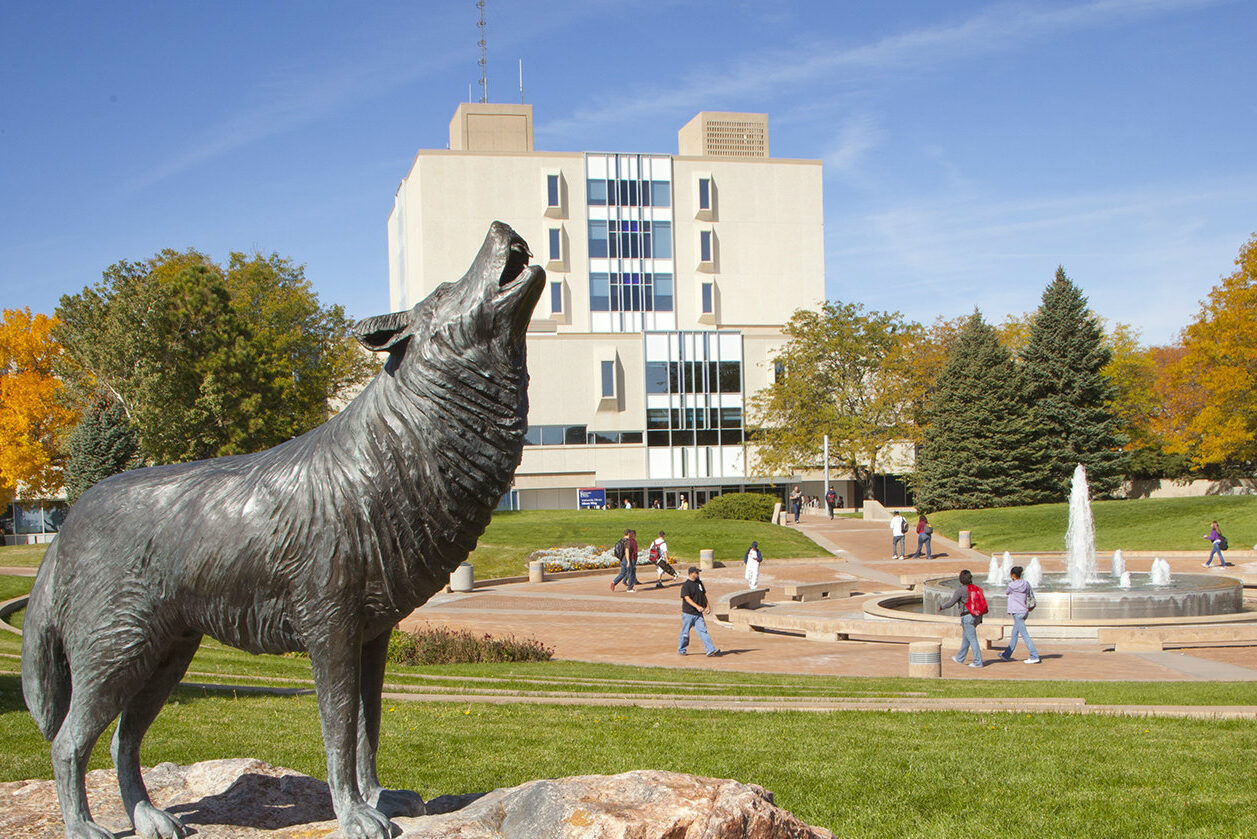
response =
{"points": [[670, 278]]}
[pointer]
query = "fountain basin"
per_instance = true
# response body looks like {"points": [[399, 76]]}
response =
{"points": [[1187, 595]]}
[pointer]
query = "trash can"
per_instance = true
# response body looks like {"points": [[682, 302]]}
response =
{"points": [[706, 559], [536, 571], [925, 659], [461, 579]]}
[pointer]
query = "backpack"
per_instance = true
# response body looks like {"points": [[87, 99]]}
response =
{"points": [[654, 553], [1223, 545], [976, 604], [620, 548]]}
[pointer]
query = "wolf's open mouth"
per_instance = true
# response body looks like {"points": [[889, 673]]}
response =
{"points": [[517, 257]]}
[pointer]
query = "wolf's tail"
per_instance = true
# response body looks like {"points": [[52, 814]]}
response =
{"points": [[45, 669]]}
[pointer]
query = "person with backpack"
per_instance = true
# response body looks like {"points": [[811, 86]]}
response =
{"points": [[752, 559], [625, 550], [658, 557], [831, 498], [925, 535], [974, 600], [1020, 602], [1219, 545]]}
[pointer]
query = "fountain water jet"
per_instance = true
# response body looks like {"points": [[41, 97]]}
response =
{"points": [[1119, 563], [1034, 572], [1080, 540]]}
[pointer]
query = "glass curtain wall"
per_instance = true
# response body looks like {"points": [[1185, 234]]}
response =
{"points": [[694, 404], [631, 277]]}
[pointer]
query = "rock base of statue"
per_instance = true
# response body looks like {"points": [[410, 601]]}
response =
{"points": [[249, 799]]}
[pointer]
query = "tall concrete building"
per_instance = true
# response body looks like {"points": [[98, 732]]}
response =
{"points": [[670, 278]]}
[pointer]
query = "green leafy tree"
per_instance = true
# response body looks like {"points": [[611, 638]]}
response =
{"points": [[1063, 362], [847, 373], [982, 447], [104, 443], [207, 362]]}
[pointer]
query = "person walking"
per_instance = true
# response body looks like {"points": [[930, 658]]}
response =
{"points": [[974, 600], [658, 556], [693, 607], [898, 535], [752, 559], [831, 498], [796, 503], [925, 535], [1020, 602], [625, 550], [1219, 545]]}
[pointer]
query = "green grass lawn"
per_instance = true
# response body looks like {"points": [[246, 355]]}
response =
{"points": [[1146, 524], [22, 556], [860, 774], [504, 548]]}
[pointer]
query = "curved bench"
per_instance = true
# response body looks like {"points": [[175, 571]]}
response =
{"points": [[7, 608], [751, 598]]}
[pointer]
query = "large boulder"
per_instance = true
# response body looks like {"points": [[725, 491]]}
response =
{"points": [[249, 799]]}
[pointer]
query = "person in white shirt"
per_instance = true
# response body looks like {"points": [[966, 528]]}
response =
{"points": [[898, 534], [659, 556], [752, 559]]}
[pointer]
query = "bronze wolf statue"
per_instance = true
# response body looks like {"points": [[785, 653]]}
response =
{"points": [[320, 544]]}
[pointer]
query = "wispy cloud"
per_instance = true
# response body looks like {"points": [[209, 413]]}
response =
{"points": [[998, 28]]}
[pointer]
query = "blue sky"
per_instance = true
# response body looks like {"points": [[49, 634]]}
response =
{"points": [[969, 147]]}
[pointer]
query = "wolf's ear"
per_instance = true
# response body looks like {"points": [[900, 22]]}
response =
{"points": [[384, 332]]}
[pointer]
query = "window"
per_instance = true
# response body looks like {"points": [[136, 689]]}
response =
{"points": [[656, 380], [556, 297], [556, 244], [704, 245], [596, 192], [662, 240], [555, 435], [661, 193], [608, 379], [663, 293], [704, 193], [597, 239], [709, 303], [599, 293], [552, 190]]}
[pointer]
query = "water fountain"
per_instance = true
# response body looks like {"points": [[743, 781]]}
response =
{"points": [[1082, 594]]}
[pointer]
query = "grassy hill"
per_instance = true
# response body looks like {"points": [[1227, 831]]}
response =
{"points": [[1144, 524]]}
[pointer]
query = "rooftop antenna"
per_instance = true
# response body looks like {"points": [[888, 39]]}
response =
{"points": [[484, 77], [521, 81]]}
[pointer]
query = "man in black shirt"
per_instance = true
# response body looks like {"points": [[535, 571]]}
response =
{"points": [[693, 607]]}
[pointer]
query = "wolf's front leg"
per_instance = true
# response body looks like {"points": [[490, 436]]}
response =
{"points": [[391, 802], [335, 658]]}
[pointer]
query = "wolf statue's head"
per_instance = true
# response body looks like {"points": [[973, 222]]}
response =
{"points": [[456, 381], [488, 308]]}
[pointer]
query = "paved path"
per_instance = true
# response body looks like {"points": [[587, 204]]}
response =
{"points": [[583, 620]]}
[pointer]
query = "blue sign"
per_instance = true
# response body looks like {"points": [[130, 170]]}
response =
{"points": [[591, 499]]}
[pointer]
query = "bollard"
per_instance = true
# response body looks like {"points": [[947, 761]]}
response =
{"points": [[965, 539], [778, 518], [925, 659], [706, 559], [461, 579], [536, 571]]}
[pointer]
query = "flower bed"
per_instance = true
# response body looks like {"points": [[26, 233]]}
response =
{"points": [[580, 558]]}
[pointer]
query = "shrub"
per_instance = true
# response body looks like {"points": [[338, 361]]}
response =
{"points": [[744, 506], [440, 645]]}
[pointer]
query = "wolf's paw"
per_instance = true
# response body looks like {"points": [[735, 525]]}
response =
{"points": [[151, 823], [361, 821]]}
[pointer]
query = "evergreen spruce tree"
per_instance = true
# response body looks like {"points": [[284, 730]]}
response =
{"points": [[102, 444], [981, 448], [1069, 395]]}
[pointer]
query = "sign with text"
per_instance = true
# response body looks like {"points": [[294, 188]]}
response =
{"points": [[591, 499]]}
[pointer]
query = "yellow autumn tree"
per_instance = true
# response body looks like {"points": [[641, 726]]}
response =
{"points": [[1210, 392], [33, 415]]}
